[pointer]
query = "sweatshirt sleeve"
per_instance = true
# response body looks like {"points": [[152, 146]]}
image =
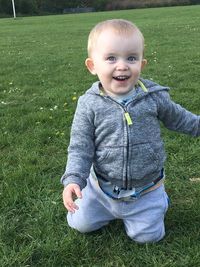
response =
{"points": [[175, 117], [81, 147]]}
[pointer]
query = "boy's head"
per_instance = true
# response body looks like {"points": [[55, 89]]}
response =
{"points": [[115, 55], [119, 26]]}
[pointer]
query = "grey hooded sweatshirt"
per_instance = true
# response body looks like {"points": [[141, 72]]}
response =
{"points": [[123, 144]]}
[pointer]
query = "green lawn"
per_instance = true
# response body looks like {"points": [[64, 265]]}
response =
{"points": [[42, 74]]}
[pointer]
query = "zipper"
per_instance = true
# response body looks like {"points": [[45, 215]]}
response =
{"points": [[128, 122], [128, 118]]}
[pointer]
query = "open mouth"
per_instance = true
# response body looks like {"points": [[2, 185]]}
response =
{"points": [[121, 78]]}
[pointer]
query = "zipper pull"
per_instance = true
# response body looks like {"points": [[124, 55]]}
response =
{"points": [[128, 118]]}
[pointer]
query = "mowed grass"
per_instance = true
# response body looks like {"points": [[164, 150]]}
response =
{"points": [[42, 74]]}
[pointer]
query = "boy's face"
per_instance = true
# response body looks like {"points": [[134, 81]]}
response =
{"points": [[117, 60]]}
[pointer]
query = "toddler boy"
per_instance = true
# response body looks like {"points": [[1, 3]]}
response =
{"points": [[116, 155]]}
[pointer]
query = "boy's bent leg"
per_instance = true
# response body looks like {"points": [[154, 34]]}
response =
{"points": [[145, 223], [93, 212]]}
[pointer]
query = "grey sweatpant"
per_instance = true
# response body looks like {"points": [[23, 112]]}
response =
{"points": [[143, 218]]}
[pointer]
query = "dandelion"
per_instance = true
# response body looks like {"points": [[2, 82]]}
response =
{"points": [[74, 98], [65, 104], [54, 108]]}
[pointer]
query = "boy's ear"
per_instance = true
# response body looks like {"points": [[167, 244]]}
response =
{"points": [[90, 66], [144, 63]]}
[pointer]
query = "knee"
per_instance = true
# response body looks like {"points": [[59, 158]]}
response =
{"points": [[143, 238], [81, 226], [147, 239]]}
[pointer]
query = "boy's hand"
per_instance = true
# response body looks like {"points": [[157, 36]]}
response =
{"points": [[70, 192]]}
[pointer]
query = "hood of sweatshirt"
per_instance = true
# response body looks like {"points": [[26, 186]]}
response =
{"points": [[143, 88]]}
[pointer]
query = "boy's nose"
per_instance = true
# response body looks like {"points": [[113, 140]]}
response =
{"points": [[121, 65]]}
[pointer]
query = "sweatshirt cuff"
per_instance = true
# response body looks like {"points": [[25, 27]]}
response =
{"points": [[65, 180]]}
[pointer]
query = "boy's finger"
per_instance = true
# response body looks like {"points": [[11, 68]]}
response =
{"points": [[78, 192], [71, 206]]}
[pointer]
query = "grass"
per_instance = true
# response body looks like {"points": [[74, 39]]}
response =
{"points": [[42, 74]]}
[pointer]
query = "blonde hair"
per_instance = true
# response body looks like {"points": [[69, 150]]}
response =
{"points": [[120, 26]]}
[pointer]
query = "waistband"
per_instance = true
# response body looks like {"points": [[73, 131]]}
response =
{"points": [[144, 190]]}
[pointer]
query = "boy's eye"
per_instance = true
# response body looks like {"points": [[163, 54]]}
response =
{"points": [[132, 58], [111, 58]]}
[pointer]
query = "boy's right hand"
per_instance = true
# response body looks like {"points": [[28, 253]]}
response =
{"points": [[70, 192]]}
